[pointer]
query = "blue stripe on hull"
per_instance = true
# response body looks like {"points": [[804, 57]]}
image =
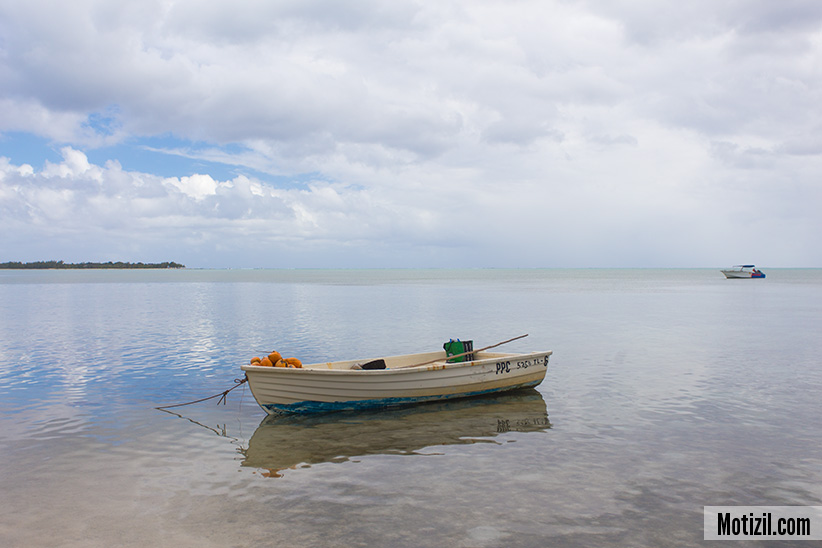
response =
{"points": [[305, 407]]}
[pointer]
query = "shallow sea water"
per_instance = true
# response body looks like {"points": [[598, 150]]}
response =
{"points": [[668, 390]]}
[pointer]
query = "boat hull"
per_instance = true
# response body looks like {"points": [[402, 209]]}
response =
{"points": [[730, 274], [335, 386]]}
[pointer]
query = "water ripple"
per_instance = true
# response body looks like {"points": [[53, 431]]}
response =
{"points": [[659, 404]]}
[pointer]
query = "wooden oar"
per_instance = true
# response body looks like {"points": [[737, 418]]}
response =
{"points": [[464, 353]]}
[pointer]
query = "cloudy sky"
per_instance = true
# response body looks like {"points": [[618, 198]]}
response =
{"points": [[314, 133]]}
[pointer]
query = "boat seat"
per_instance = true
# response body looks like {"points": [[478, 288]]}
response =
{"points": [[374, 364]]}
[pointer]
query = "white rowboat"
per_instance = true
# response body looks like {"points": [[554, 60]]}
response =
{"points": [[407, 379]]}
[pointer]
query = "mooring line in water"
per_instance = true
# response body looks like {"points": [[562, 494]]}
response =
{"points": [[238, 383], [223, 433]]}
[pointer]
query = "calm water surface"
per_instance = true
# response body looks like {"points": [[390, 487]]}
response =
{"points": [[668, 390]]}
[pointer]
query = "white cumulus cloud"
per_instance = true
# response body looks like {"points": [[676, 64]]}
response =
{"points": [[532, 133]]}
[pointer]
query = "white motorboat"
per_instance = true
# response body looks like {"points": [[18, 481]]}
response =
{"points": [[743, 271]]}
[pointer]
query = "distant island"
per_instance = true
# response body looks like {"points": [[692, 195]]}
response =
{"points": [[45, 265]]}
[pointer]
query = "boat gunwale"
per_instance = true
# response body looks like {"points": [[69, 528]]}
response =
{"points": [[323, 368]]}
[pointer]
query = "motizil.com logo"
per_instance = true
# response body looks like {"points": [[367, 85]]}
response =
{"points": [[763, 522]]}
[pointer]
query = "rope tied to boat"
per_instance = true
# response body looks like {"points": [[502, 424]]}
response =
{"points": [[222, 395]]}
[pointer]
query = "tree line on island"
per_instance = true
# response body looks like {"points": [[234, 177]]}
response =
{"points": [[45, 265]]}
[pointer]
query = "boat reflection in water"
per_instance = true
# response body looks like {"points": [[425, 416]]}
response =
{"points": [[283, 442]]}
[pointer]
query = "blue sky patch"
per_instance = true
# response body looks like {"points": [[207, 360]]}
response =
{"points": [[164, 156], [25, 148]]}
